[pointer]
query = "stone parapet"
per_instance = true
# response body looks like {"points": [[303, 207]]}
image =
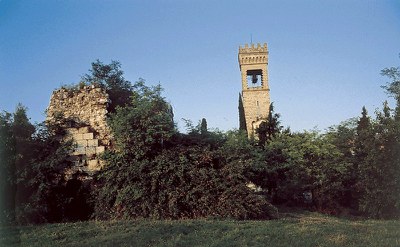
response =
{"points": [[253, 48]]}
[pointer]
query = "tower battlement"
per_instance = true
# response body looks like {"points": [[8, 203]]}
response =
{"points": [[253, 54], [253, 48]]}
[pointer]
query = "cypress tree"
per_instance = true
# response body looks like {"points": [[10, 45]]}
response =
{"points": [[203, 127], [242, 120], [273, 126]]}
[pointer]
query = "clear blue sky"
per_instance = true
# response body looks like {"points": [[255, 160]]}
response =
{"points": [[324, 61]]}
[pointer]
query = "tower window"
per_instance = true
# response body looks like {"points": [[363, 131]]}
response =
{"points": [[254, 78]]}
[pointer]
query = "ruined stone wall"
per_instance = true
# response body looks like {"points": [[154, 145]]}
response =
{"points": [[84, 113]]}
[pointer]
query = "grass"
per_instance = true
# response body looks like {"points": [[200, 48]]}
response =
{"points": [[294, 229]]}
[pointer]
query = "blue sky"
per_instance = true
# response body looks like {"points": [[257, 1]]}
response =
{"points": [[325, 57]]}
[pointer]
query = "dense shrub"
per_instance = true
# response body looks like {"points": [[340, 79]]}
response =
{"points": [[34, 189], [155, 172], [181, 182], [295, 163], [43, 194]]}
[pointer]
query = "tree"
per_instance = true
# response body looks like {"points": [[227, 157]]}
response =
{"points": [[143, 126], [364, 122], [363, 137], [110, 76], [379, 167], [362, 148], [242, 119], [16, 151], [141, 131], [42, 195], [203, 127], [344, 138], [393, 87], [23, 132], [200, 135], [268, 129], [33, 162], [380, 170], [273, 123], [7, 169]]}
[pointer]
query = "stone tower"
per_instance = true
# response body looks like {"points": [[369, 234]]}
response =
{"points": [[253, 62]]}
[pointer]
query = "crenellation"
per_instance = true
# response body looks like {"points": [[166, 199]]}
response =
{"points": [[253, 49]]}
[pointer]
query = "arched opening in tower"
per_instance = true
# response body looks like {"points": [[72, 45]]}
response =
{"points": [[254, 78]]}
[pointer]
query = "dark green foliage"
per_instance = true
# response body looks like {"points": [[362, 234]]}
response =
{"points": [[344, 137], [16, 152], [34, 189], [197, 136], [7, 169], [303, 162], [269, 129], [189, 182], [43, 193], [377, 155], [203, 127], [380, 168], [157, 173], [142, 128], [242, 119], [110, 76], [364, 123], [273, 123], [371, 148]]}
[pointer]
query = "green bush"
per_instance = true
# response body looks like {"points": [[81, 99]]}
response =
{"points": [[154, 172], [180, 182]]}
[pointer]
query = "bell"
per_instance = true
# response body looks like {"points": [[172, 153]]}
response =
{"points": [[254, 79]]}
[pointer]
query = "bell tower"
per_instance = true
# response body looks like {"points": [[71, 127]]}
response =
{"points": [[253, 62]]}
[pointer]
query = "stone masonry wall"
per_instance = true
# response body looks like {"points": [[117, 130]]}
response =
{"points": [[84, 110], [256, 100], [256, 107]]}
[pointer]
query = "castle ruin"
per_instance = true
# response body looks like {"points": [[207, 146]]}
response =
{"points": [[83, 111]]}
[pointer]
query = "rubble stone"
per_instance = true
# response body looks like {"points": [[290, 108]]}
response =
{"points": [[85, 112]]}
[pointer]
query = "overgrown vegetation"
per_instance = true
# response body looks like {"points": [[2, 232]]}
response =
{"points": [[153, 171], [33, 163]]}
